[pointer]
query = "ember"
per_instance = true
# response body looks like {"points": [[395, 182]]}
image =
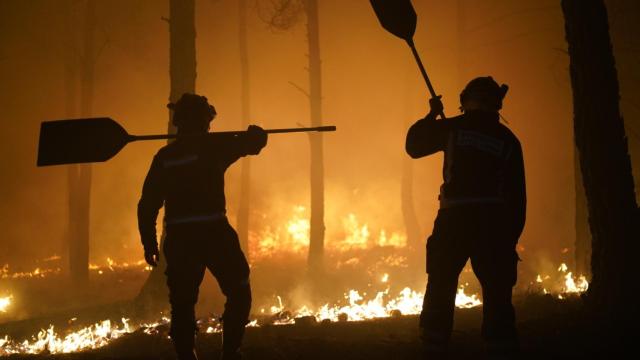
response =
{"points": [[5, 273]]}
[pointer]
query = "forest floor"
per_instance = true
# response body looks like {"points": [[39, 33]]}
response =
{"points": [[549, 329]]}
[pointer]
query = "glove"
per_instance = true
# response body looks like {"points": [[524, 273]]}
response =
{"points": [[152, 256], [436, 105], [256, 139]]}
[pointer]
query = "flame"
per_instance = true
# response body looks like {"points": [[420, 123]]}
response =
{"points": [[357, 235], [406, 302], [567, 284], [91, 337], [5, 273], [5, 302], [396, 239], [293, 237], [465, 301], [113, 266], [39, 272], [357, 308], [570, 284], [298, 229]]}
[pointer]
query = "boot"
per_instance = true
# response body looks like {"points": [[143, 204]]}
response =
{"points": [[236, 355], [231, 340], [435, 346], [185, 348]]}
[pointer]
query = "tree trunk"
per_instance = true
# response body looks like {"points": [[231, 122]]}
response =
{"points": [[245, 170], [80, 175], [317, 229], [461, 42], [412, 227], [411, 224], [182, 71], [583, 236], [71, 111], [605, 166]]}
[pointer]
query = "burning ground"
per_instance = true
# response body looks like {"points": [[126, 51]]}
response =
{"points": [[371, 280]]}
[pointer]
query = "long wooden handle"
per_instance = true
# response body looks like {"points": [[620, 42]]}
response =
{"points": [[423, 71], [268, 131]]}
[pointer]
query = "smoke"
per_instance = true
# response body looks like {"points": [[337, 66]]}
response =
{"points": [[371, 90]]}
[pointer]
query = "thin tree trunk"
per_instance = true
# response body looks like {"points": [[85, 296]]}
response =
{"points": [[411, 224], [461, 37], [605, 166], [182, 72], [245, 171], [81, 174], [317, 229], [71, 111], [412, 227]]}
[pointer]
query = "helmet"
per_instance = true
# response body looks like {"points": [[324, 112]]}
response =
{"points": [[190, 109], [486, 90]]}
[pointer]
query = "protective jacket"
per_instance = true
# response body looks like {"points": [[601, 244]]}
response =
{"points": [[187, 177], [483, 162]]}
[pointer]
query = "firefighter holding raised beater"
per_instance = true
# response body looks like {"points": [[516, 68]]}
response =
{"points": [[187, 177], [481, 216]]}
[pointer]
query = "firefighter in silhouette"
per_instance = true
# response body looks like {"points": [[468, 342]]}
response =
{"points": [[481, 216], [187, 176]]}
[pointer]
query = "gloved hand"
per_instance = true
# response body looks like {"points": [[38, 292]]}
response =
{"points": [[257, 139], [152, 256], [436, 106]]}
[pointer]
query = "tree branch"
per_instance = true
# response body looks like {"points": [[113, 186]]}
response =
{"points": [[305, 92]]}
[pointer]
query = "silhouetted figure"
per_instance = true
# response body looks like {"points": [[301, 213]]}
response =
{"points": [[481, 216], [187, 176]]}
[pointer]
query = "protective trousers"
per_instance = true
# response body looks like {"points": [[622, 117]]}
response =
{"points": [[189, 249], [479, 233]]}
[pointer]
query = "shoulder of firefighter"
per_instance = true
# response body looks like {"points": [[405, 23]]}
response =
{"points": [[483, 163], [187, 177]]}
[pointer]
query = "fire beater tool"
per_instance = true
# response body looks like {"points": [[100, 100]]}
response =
{"points": [[399, 18], [99, 139]]}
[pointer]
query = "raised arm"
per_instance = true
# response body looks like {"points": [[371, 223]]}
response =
{"points": [[427, 135]]}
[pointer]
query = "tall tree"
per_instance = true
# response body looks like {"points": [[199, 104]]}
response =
{"points": [[182, 73], [71, 111], [411, 224], [283, 16], [605, 165], [79, 176], [317, 228], [245, 170]]}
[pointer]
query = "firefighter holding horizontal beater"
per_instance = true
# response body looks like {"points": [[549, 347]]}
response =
{"points": [[187, 177], [481, 216]]}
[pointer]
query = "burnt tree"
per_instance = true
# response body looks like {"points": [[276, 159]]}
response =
{"points": [[182, 73], [409, 216], [284, 15], [605, 167], [71, 110], [242, 220], [79, 176], [317, 228]]}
